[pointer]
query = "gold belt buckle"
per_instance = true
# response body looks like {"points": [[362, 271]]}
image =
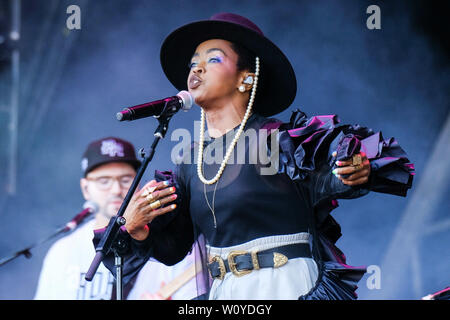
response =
{"points": [[232, 264], [222, 268]]}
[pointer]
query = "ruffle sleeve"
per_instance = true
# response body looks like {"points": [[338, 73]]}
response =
{"points": [[307, 144], [306, 149]]}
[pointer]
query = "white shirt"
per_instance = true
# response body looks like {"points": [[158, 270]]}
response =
{"points": [[154, 274], [68, 260]]}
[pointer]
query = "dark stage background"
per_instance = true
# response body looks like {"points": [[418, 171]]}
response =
{"points": [[72, 82]]}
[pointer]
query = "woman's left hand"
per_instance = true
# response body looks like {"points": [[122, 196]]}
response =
{"points": [[356, 169]]}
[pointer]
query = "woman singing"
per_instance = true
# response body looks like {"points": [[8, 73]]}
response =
{"points": [[254, 194]]}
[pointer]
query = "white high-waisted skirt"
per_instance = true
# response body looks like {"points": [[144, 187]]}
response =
{"points": [[287, 282]]}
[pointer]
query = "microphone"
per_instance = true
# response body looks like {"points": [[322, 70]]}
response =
{"points": [[183, 100], [89, 208]]}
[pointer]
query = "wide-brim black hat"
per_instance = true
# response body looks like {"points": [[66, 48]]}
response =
{"points": [[277, 84]]}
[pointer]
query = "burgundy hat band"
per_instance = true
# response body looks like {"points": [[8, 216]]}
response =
{"points": [[234, 18]]}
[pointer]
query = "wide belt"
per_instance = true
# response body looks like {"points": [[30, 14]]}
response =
{"points": [[243, 262]]}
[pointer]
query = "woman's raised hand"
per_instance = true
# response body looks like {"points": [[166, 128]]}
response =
{"points": [[145, 205], [356, 170]]}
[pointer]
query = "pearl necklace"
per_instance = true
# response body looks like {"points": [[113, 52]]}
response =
{"points": [[235, 139]]}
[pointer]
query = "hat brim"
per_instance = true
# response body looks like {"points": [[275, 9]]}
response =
{"points": [[132, 162], [277, 84]]}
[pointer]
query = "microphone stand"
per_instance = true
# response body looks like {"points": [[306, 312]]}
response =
{"points": [[110, 240], [26, 251]]}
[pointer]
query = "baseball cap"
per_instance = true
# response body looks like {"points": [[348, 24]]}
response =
{"points": [[106, 150]]}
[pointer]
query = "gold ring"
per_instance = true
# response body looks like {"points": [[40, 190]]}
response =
{"points": [[357, 160], [357, 167], [149, 198], [155, 205], [148, 191]]}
